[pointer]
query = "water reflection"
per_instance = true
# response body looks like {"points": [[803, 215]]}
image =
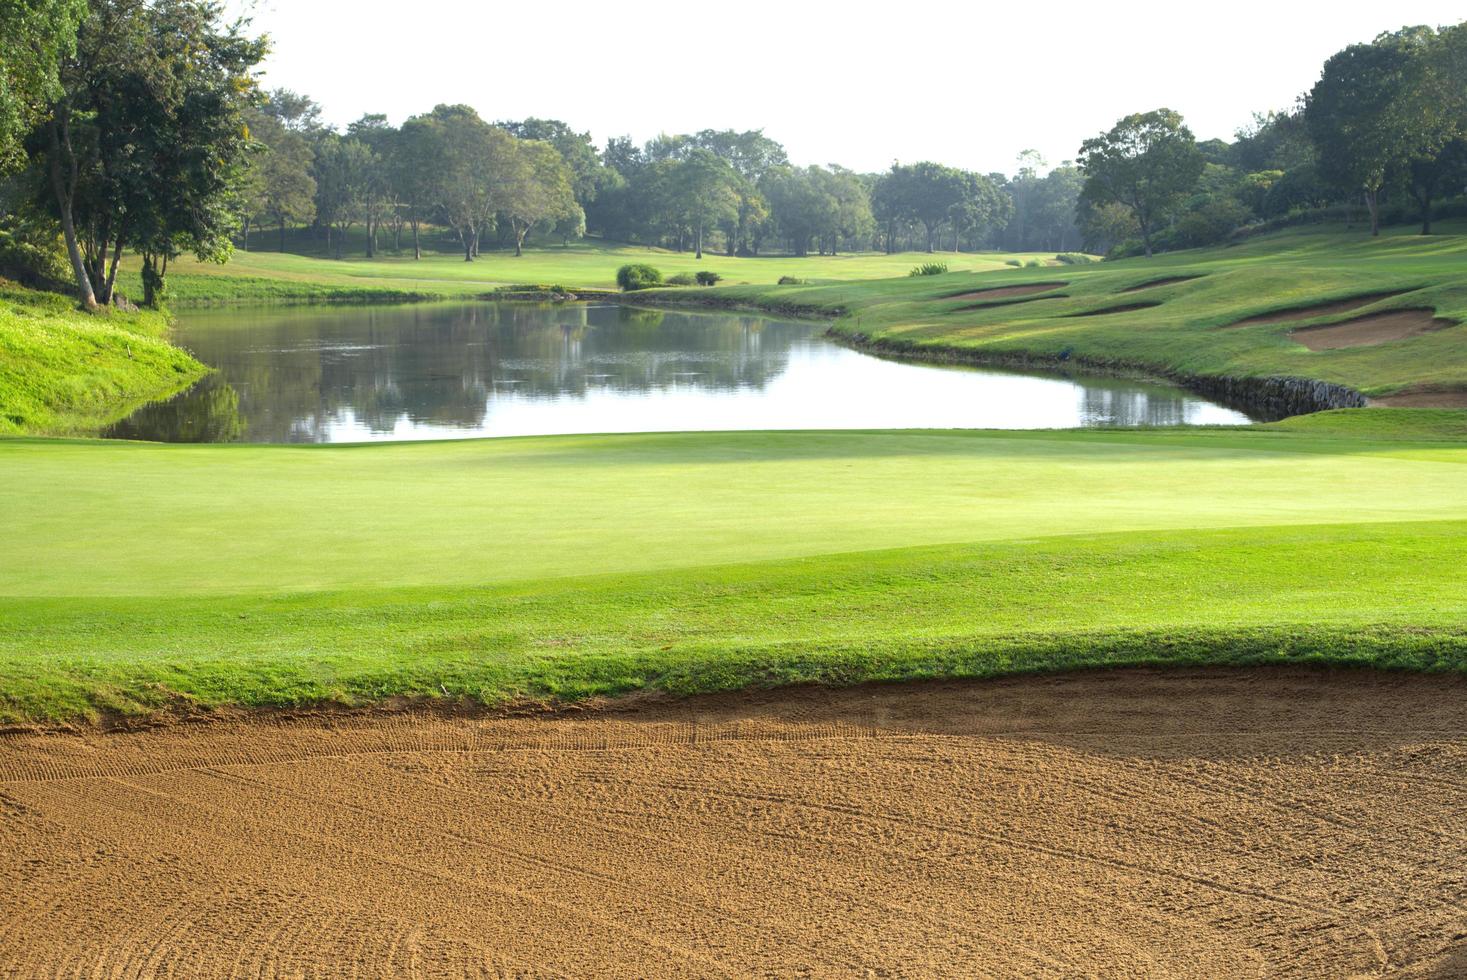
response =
{"points": [[331, 375]]}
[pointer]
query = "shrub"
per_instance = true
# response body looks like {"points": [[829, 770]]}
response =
{"points": [[1015, 263], [793, 281], [681, 279], [1034, 264], [1074, 258], [708, 278], [929, 269], [637, 276]]}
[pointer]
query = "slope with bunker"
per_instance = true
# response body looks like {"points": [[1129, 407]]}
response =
{"points": [[1379, 318]]}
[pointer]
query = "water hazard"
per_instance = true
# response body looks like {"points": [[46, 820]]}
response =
{"points": [[444, 371]]}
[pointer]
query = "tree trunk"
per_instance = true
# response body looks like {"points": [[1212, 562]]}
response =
{"points": [[64, 190], [1146, 237], [417, 248], [246, 231], [1424, 199], [698, 241], [519, 241], [282, 234], [931, 233], [371, 239], [1372, 202]]}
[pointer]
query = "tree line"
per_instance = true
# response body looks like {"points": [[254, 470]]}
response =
{"points": [[1386, 121], [139, 125]]}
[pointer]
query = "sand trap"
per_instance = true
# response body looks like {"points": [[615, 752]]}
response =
{"points": [[1123, 308], [1319, 309], [1009, 292], [1158, 283], [1189, 824], [1367, 331], [1424, 399]]}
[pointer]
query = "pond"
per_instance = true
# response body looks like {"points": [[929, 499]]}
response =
{"points": [[503, 369]]}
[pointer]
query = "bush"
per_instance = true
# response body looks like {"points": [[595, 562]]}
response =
{"points": [[1034, 264], [929, 269], [708, 278], [1015, 263], [637, 276], [793, 281], [681, 279], [1074, 258]]}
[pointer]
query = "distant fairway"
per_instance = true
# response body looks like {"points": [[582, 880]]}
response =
{"points": [[266, 275], [579, 565]]}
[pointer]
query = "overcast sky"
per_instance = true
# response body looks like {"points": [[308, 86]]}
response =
{"points": [[964, 82]]}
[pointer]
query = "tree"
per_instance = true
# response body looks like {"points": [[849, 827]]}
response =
{"points": [[537, 189], [35, 36], [146, 145], [378, 197], [472, 160], [926, 192], [1145, 163], [702, 191], [576, 149], [281, 188], [1358, 120], [801, 207], [344, 170], [981, 205]]}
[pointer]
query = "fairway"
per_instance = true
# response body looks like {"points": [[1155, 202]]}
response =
{"points": [[590, 263], [571, 566]]}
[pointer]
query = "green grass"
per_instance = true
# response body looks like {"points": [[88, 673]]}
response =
{"points": [[1189, 332], [272, 276], [570, 566], [64, 371]]}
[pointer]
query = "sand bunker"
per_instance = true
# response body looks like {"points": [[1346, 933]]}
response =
{"points": [[1009, 292], [1123, 308], [1158, 283], [1318, 309], [1424, 399], [1366, 331], [1253, 823]]}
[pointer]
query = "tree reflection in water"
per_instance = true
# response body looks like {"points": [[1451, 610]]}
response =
{"points": [[331, 374]]}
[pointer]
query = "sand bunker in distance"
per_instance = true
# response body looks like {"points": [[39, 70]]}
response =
{"points": [[1010, 292], [1367, 331], [1256, 823]]}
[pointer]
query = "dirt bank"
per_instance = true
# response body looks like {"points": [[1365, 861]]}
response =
{"points": [[1203, 824]]}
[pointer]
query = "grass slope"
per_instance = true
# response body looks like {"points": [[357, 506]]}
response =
{"points": [[64, 371], [285, 277], [580, 565], [1190, 329]]}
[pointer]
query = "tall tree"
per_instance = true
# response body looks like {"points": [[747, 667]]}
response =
{"points": [[536, 189], [925, 192], [147, 145], [281, 188], [1145, 163], [1357, 119], [35, 36], [703, 193]]}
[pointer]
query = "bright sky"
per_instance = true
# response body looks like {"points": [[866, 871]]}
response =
{"points": [[964, 82]]}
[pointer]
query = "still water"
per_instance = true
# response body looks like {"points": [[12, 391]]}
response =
{"points": [[440, 371]]}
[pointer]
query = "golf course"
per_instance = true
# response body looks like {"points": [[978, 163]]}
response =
{"points": [[441, 545]]}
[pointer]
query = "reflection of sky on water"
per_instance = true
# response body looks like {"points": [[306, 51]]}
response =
{"points": [[347, 375]]}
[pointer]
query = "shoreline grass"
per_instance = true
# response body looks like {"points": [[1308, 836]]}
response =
{"points": [[63, 371]]}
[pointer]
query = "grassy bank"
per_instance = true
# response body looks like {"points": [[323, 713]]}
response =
{"points": [[570, 566], [268, 276], [1188, 326], [63, 371]]}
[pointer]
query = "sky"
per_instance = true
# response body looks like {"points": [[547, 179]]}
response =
{"points": [[970, 84]]}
